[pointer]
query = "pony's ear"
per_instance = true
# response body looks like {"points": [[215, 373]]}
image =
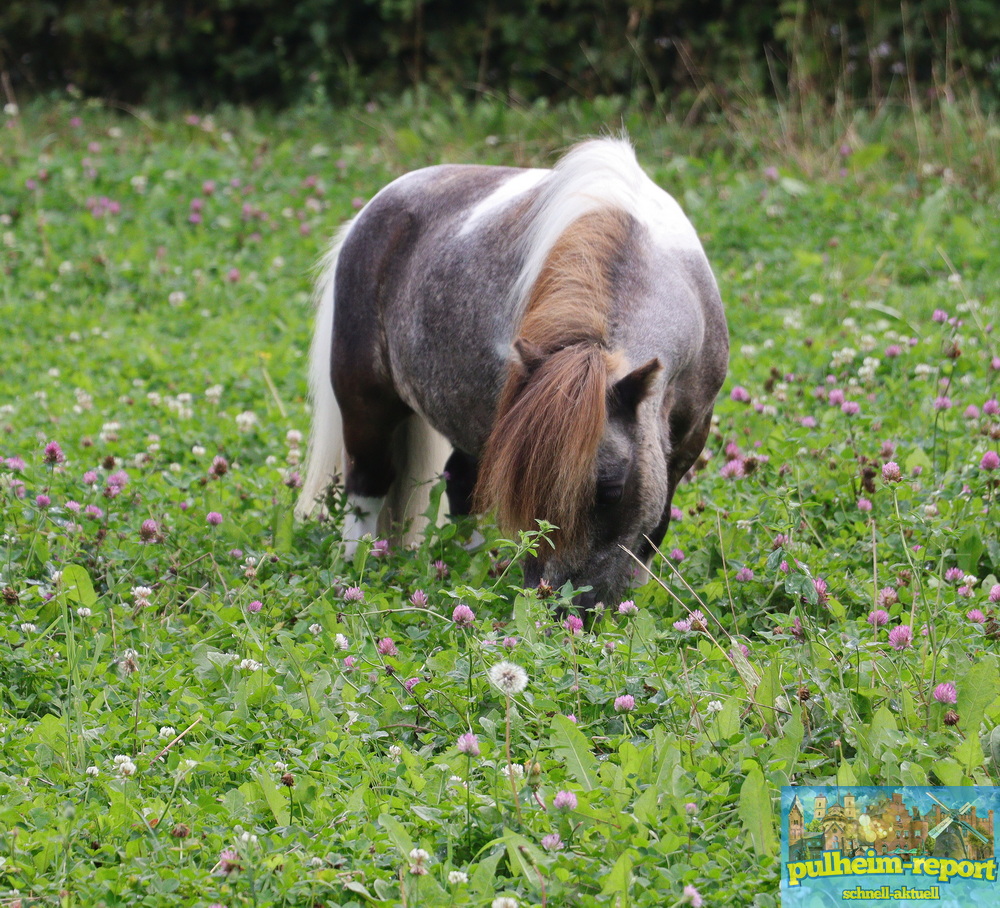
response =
{"points": [[528, 355], [627, 393]]}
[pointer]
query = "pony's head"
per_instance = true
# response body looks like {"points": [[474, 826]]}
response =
{"points": [[579, 439], [586, 455]]}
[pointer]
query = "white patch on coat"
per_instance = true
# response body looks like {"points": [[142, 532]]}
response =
{"points": [[502, 196]]}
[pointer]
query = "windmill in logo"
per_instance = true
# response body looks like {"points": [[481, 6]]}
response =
{"points": [[950, 835]]}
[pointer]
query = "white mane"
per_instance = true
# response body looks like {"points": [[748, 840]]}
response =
{"points": [[598, 174]]}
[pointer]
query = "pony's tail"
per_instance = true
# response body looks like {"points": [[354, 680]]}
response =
{"points": [[325, 454]]}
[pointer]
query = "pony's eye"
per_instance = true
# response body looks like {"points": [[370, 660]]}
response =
{"points": [[610, 492]]}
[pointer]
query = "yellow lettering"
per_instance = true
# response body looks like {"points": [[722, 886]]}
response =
{"points": [[797, 870]]}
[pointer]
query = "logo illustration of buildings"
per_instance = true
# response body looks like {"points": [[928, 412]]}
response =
{"points": [[889, 826]]}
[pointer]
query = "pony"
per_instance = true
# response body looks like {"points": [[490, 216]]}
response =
{"points": [[553, 338]]}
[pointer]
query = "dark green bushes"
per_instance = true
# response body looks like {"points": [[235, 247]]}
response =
{"points": [[677, 50]]}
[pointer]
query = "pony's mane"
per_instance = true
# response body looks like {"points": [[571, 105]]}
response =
{"points": [[540, 459], [593, 175]]}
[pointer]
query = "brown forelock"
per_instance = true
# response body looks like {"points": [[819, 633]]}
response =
{"points": [[539, 461]]}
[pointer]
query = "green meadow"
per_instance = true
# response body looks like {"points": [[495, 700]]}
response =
{"points": [[202, 703]]}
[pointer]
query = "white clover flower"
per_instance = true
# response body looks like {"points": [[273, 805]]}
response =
{"points": [[168, 731], [508, 677], [250, 665], [316, 628], [842, 357], [84, 612], [868, 368], [279, 766], [246, 420], [28, 628], [128, 664], [109, 431], [93, 772], [418, 861], [714, 706], [341, 641], [214, 394], [458, 877], [141, 594], [503, 901]]}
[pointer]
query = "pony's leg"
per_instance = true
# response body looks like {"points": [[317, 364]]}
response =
{"points": [[462, 471], [369, 424]]}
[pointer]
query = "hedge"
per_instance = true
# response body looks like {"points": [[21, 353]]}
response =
{"points": [[674, 50]]}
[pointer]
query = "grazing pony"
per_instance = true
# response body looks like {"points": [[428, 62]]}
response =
{"points": [[558, 333]]}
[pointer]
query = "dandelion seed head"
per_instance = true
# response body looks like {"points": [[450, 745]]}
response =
{"points": [[508, 677]]}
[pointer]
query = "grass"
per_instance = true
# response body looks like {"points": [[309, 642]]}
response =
{"points": [[199, 712]]}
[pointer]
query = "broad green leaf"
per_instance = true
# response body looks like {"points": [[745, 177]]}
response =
{"points": [[969, 754], [483, 879], [755, 810], [573, 748], [911, 773], [277, 797], [977, 690], [618, 879], [845, 775], [769, 689], [994, 745], [78, 586], [917, 458], [786, 748], [948, 772], [728, 719], [523, 856], [397, 834], [969, 550]]}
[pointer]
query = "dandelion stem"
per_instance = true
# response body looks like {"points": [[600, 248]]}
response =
{"points": [[510, 766]]}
